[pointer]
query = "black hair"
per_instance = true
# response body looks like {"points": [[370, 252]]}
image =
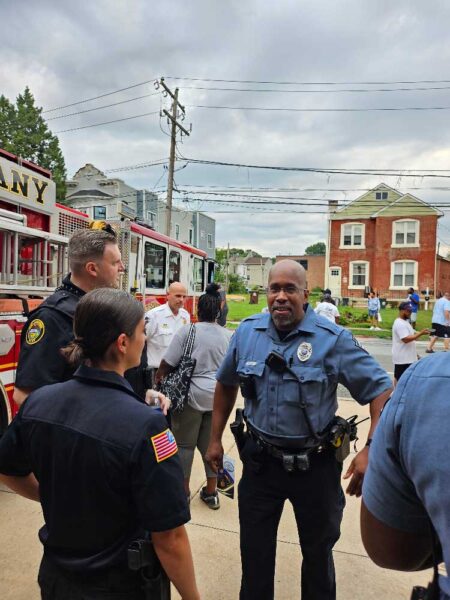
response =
{"points": [[100, 317], [208, 308]]}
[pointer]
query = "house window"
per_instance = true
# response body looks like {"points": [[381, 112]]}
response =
{"points": [[381, 195], [177, 232], [210, 240], [404, 274], [359, 274], [405, 233], [335, 273], [99, 212], [304, 263], [352, 235]]}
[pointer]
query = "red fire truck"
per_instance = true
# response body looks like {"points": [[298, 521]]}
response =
{"points": [[34, 232]]}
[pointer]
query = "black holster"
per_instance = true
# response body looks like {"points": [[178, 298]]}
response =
{"points": [[142, 557], [237, 429]]}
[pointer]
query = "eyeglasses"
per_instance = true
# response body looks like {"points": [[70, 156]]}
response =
{"points": [[289, 290]]}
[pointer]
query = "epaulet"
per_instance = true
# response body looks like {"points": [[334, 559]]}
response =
{"points": [[255, 317], [327, 324]]}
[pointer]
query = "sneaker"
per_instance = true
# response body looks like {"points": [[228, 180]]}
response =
{"points": [[211, 500], [372, 328], [429, 351]]}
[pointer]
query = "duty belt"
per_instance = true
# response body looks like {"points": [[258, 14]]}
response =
{"points": [[292, 458]]}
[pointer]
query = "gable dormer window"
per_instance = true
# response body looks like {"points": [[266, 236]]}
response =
{"points": [[352, 235], [381, 195]]}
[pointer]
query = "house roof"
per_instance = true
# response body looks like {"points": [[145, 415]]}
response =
{"points": [[256, 260], [395, 205], [89, 194]]}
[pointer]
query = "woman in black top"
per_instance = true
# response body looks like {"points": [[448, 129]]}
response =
{"points": [[102, 463]]}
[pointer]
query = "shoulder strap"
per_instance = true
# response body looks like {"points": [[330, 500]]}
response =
{"points": [[189, 344]]}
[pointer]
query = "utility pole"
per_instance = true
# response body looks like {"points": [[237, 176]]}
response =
{"points": [[227, 268], [173, 138]]}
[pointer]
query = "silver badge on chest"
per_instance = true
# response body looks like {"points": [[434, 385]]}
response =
{"points": [[304, 351]]}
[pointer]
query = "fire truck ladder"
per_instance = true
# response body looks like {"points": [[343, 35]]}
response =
{"points": [[47, 263]]}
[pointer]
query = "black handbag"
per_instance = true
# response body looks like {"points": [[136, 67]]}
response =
{"points": [[176, 385]]}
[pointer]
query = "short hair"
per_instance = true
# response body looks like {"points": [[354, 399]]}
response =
{"points": [[208, 307], [86, 245]]}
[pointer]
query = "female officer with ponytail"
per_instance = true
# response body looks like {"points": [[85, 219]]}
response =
{"points": [[104, 465]]}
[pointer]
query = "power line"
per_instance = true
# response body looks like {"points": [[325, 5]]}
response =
{"points": [[333, 171], [99, 96], [283, 91], [81, 112], [302, 110], [156, 112], [420, 81]]}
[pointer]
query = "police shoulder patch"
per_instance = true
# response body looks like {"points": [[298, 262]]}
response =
{"points": [[164, 445], [35, 332]]}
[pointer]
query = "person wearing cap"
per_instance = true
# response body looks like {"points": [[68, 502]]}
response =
{"points": [[414, 300], [404, 338]]}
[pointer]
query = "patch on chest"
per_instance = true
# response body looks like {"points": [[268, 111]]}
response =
{"points": [[304, 351]]}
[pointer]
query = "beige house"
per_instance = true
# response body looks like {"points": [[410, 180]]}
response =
{"points": [[257, 271]]}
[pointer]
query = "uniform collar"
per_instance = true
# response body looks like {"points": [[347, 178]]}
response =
{"points": [[306, 325], [68, 286], [168, 311], [108, 378]]}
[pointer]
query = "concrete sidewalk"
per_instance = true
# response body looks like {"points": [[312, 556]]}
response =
{"points": [[215, 544]]}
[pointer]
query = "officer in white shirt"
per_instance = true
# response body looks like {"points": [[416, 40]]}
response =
{"points": [[163, 322]]}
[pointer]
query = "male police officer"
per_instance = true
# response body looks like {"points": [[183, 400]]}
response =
{"points": [[289, 363], [95, 262]]}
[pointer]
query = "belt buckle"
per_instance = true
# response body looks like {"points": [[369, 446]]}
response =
{"points": [[288, 462]]}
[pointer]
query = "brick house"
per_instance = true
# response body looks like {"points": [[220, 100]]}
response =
{"points": [[385, 241], [314, 265]]}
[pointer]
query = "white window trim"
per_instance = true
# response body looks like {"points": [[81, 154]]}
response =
{"points": [[416, 243], [363, 237], [416, 275], [350, 274]]}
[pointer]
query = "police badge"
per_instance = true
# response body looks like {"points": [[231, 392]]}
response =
{"points": [[304, 351]]}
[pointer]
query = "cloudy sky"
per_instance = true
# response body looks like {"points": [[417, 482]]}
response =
{"points": [[67, 52]]}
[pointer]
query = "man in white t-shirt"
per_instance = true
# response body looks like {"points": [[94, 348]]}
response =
{"points": [[404, 341], [327, 309], [163, 322]]}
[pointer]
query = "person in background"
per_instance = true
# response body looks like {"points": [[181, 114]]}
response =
{"points": [[440, 322], [414, 300], [373, 305], [103, 465], [162, 323], [222, 319], [327, 309], [192, 426], [404, 338]]}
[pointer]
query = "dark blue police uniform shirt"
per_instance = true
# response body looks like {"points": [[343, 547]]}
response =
{"points": [[106, 463], [320, 353], [409, 471]]}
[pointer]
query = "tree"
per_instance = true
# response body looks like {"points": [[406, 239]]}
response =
{"points": [[23, 131], [317, 248], [236, 285]]}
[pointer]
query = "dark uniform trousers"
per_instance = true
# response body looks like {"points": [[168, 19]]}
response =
{"points": [[318, 501], [115, 583]]}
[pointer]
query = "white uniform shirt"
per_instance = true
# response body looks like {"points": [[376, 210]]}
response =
{"points": [[161, 326], [402, 354]]}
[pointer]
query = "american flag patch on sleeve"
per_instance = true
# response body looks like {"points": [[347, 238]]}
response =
{"points": [[164, 445]]}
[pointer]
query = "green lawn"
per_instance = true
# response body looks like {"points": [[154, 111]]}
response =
{"points": [[354, 318]]}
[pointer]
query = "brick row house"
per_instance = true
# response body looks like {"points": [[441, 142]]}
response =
{"points": [[384, 241]]}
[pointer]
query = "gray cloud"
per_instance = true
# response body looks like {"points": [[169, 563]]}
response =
{"points": [[67, 52]]}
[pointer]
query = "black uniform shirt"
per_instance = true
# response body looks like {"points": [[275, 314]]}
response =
{"points": [[106, 463], [48, 329]]}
